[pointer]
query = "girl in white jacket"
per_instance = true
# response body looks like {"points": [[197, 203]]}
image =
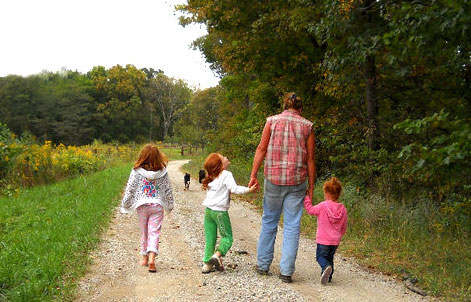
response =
{"points": [[219, 183], [149, 192]]}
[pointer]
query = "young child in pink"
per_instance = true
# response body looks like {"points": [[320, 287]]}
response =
{"points": [[331, 226]]}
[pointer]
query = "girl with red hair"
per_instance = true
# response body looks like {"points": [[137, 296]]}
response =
{"points": [[149, 192], [331, 226], [219, 183]]}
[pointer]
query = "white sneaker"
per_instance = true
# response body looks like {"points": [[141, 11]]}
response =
{"points": [[325, 275], [207, 268], [217, 262]]}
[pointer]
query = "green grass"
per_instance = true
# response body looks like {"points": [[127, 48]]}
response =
{"points": [[403, 241], [175, 153], [46, 233], [407, 241]]}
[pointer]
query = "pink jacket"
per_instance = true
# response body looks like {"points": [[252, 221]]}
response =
{"points": [[331, 220]]}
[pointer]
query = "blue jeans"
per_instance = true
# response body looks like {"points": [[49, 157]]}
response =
{"points": [[278, 199], [325, 257]]}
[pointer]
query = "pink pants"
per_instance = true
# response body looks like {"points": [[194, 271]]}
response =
{"points": [[150, 224]]}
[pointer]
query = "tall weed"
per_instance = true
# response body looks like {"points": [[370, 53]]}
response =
{"points": [[409, 241]]}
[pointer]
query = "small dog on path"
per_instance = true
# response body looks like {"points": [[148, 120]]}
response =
{"points": [[186, 179], [202, 175]]}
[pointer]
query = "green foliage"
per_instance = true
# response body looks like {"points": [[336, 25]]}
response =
{"points": [[200, 117], [438, 160], [45, 236], [115, 104], [242, 116], [9, 148], [25, 163], [387, 84], [169, 97]]}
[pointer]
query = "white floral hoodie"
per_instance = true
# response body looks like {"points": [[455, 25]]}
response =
{"points": [[147, 187]]}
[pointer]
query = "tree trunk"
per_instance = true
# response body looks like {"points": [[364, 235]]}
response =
{"points": [[370, 83], [166, 127], [371, 103], [151, 126]]}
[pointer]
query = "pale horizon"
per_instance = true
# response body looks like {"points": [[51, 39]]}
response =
{"points": [[53, 35]]}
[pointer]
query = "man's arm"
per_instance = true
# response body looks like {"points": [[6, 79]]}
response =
{"points": [[260, 155], [311, 162]]}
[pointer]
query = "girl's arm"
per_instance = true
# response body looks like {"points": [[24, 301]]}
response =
{"points": [[310, 209], [229, 181], [127, 202], [167, 194]]}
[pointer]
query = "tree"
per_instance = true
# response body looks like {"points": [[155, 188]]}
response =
{"points": [[200, 118], [119, 101], [267, 41], [361, 67], [169, 96], [17, 101]]}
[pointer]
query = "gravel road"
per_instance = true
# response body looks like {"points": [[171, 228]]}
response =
{"points": [[115, 274]]}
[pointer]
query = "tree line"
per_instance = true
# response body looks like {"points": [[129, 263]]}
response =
{"points": [[119, 104], [387, 83]]}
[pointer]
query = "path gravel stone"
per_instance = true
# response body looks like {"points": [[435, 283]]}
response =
{"points": [[115, 274]]}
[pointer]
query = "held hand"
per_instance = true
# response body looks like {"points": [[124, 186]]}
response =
{"points": [[253, 188], [307, 200], [253, 182], [309, 192]]}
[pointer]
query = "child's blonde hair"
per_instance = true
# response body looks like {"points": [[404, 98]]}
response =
{"points": [[213, 165], [333, 186]]}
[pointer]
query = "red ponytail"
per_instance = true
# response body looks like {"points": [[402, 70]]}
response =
{"points": [[213, 166]]}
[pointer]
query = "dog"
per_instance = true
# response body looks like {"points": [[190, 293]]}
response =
{"points": [[202, 175], [186, 179]]}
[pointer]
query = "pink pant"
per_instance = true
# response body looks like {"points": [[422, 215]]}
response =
{"points": [[150, 224]]}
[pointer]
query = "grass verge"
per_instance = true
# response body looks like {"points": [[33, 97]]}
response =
{"points": [[46, 233], [406, 241]]}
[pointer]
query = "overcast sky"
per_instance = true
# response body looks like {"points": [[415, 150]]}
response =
{"points": [[39, 35]]}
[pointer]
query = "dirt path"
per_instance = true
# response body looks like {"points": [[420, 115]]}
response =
{"points": [[116, 276]]}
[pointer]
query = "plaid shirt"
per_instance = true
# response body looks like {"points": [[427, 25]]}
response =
{"points": [[286, 158]]}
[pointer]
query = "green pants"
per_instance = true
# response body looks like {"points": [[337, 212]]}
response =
{"points": [[214, 221]]}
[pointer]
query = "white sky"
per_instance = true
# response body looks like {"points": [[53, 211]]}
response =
{"points": [[39, 35]]}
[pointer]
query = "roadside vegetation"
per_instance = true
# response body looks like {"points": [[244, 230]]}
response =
{"points": [[47, 231]]}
